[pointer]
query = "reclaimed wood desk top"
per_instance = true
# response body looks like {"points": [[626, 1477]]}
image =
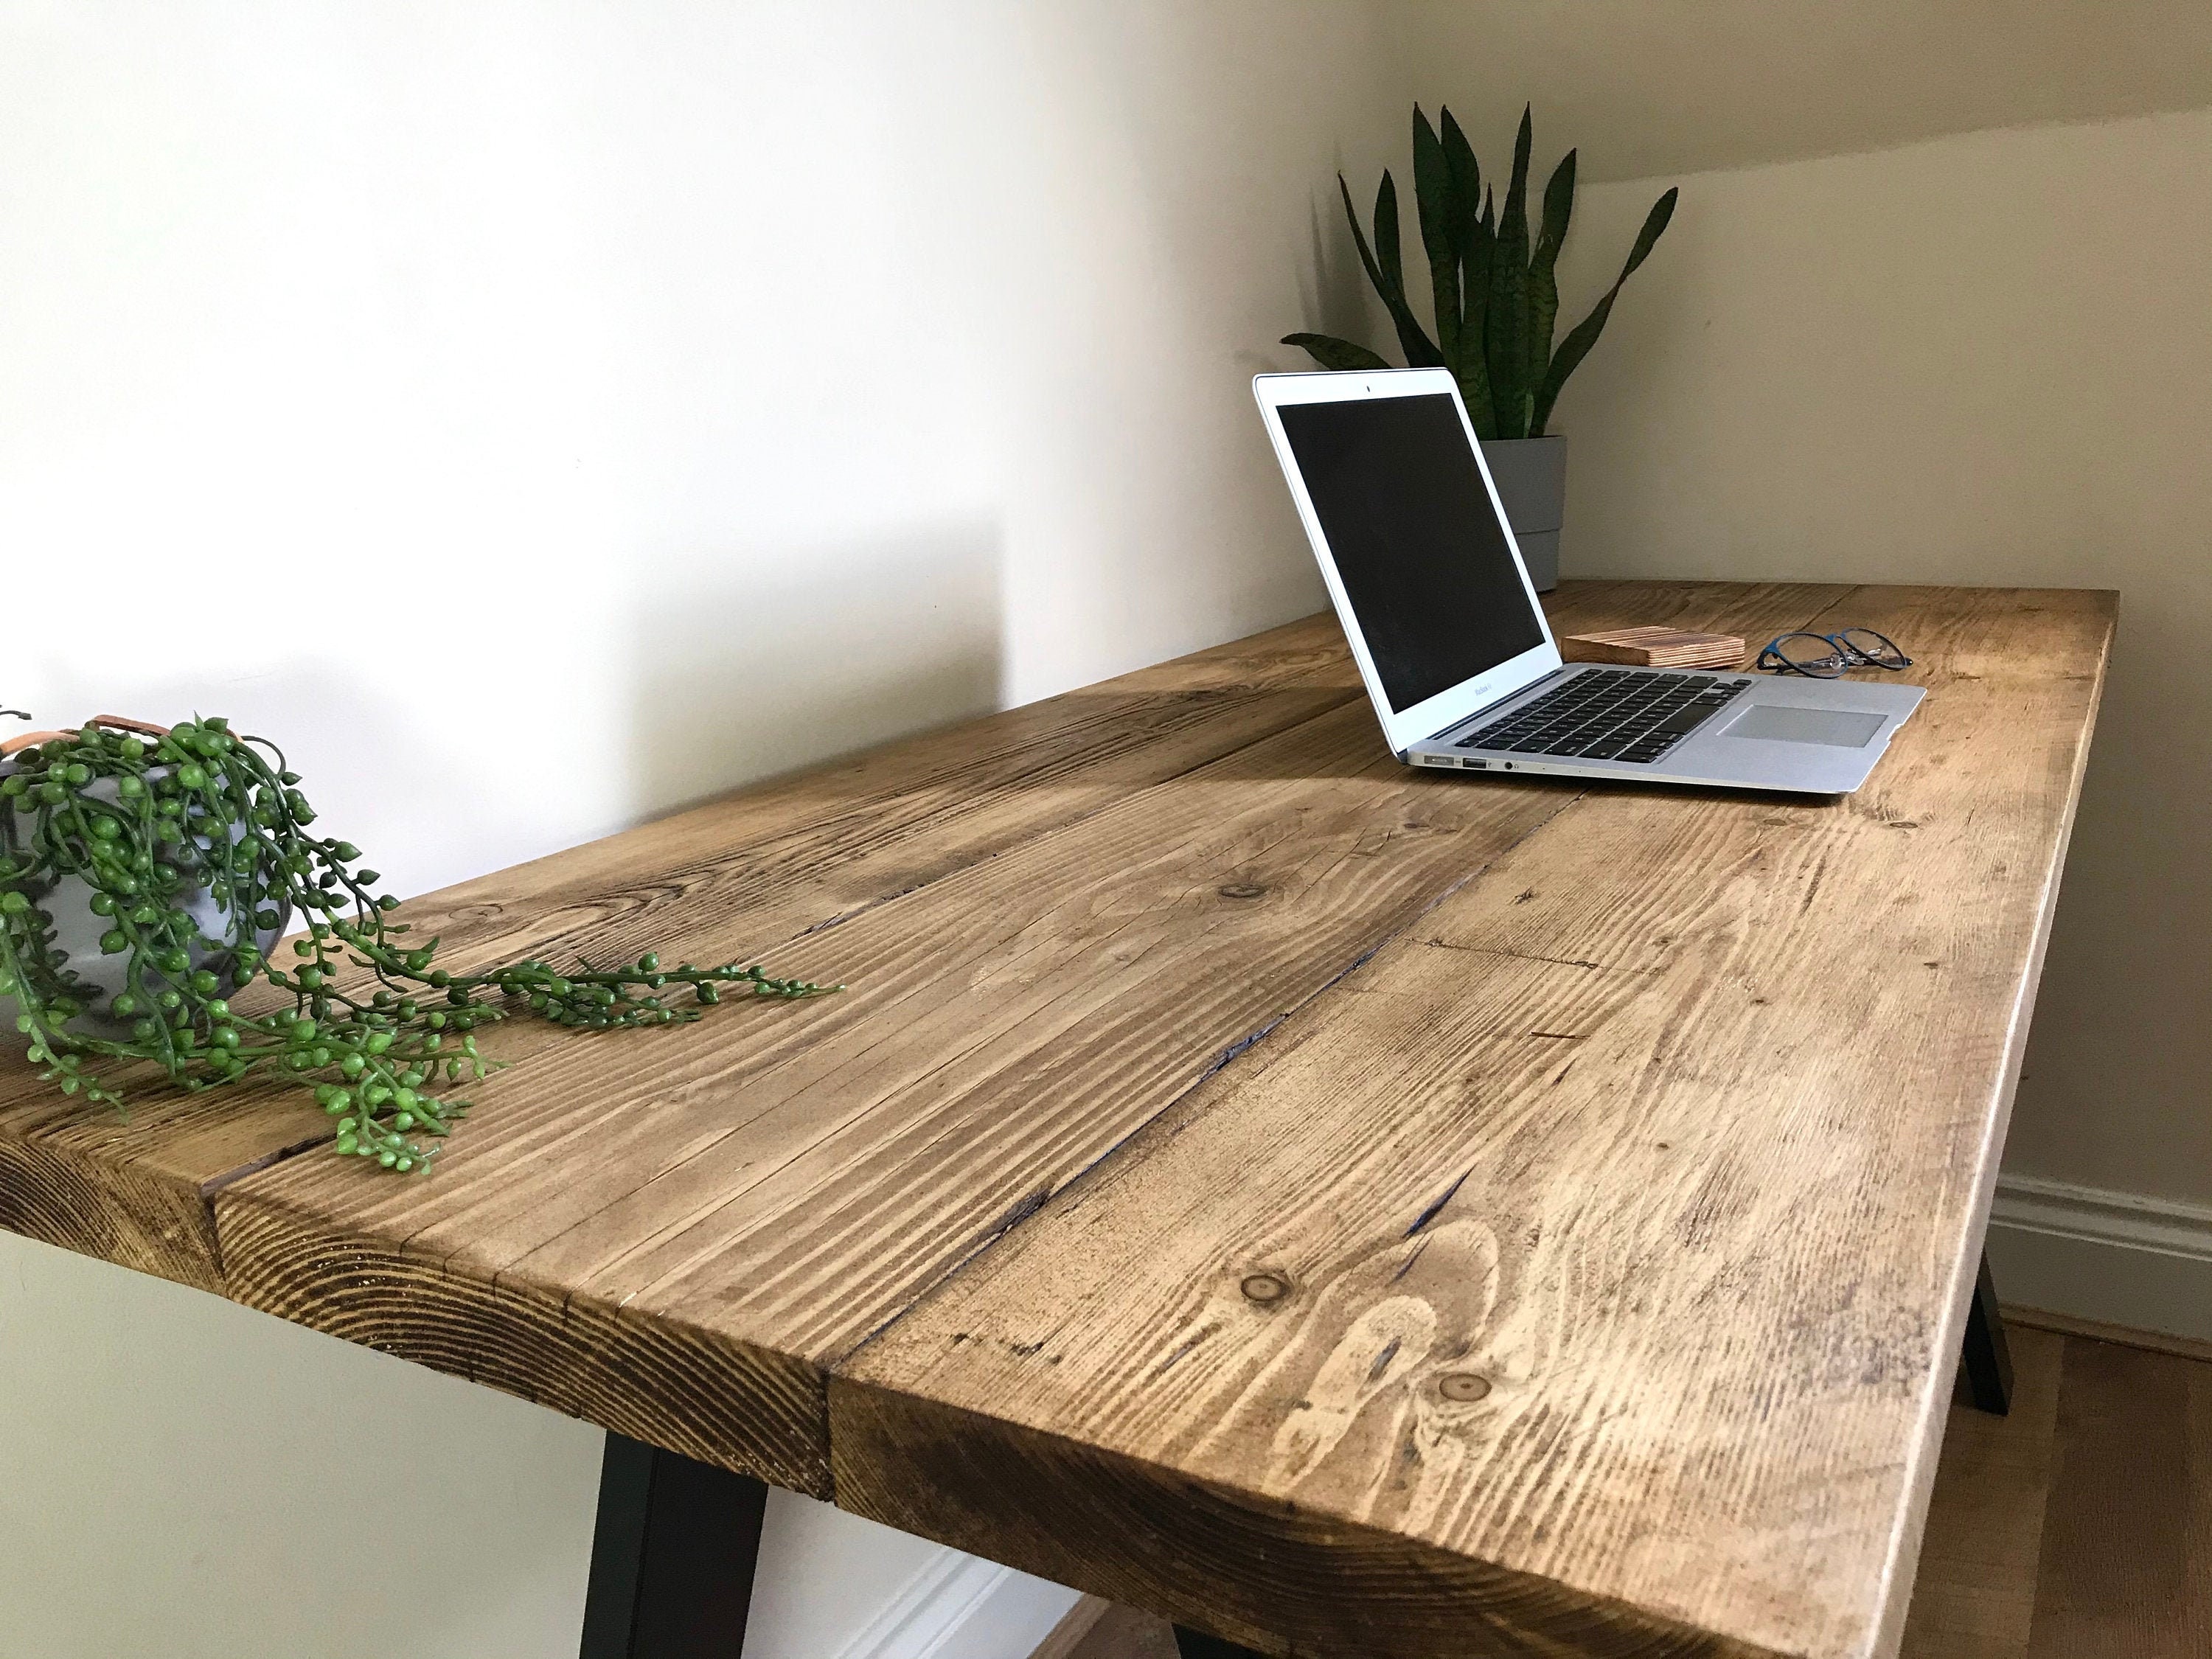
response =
{"points": [[1358, 1212]]}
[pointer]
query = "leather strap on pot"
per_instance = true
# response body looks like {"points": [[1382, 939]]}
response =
{"points": [[117, 722], [28, 739], [125, 723]]}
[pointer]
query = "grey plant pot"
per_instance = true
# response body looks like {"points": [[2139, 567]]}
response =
{"points": [[1531, 476], [67, 907]]}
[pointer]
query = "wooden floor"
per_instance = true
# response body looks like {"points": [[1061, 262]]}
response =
{"points": [[2078, 1528]]}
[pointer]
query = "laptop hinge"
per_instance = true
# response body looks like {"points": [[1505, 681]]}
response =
{"points": [[1497, 703]]}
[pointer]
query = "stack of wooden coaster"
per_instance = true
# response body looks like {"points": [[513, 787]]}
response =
{"points": [[1655, 648]]}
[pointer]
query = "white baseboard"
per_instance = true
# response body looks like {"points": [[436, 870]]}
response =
{"points": [[2115, 1257], [961, 1607]]}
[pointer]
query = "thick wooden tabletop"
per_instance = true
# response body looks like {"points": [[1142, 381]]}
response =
{"points": [[1359, 1212]]}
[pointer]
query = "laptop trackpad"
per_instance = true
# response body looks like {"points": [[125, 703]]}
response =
{"points": [[1842, 728]]}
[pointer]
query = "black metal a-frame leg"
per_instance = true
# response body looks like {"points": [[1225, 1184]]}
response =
{"points": [[1987, 1361], [672, 1559]]}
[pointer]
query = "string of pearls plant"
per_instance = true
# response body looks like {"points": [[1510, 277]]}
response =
{"points": [[192, 848]]}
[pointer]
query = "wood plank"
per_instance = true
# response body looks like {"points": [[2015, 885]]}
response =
{"points": [[136, 1191], [751, 870], [1974, 1597], [803, 1172], [787, 858], [119, 1212], [758, 1197], [1633, 1186], [1310, 652], [829, 843], [2125, 1554], [1755, 610], [1118, 1633], [761, 866]]}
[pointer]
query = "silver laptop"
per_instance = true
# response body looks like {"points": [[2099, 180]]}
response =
{"points": [[1455, 650]]}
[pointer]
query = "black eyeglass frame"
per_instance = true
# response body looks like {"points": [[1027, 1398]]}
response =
{"points": [[1842, 654]]}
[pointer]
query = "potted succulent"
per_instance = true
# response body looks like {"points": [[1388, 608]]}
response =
{"points": [[1496, 300], [146, 875]]}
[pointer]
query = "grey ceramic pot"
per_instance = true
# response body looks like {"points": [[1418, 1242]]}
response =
{"points": [[67, 905], [1531, 476]]}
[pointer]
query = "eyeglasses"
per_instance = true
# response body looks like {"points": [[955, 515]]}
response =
{"points": [[1831, 656]]}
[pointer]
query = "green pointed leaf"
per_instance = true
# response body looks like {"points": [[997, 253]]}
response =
{"points": [[1655, 225], [1459, 160], [1517, 190], [1359, 239], [1389, 250], [1481, 251], [1474, 286], [1543, 282], [1438, 204], [1505, 331], [1421, 351], [1559, 203], [1464, 176], [1332, 353], [1475, 392], [1583, 336]]}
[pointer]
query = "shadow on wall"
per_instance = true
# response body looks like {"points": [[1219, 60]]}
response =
{"points": [[373, 772], [1334, 296], [814, 652]]}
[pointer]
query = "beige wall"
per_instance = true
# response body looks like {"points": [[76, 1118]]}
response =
{"points": [[1983, 359], [1679, 86]]}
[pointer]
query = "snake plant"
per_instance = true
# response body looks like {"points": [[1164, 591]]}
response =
{"points": [[1495, 295]]}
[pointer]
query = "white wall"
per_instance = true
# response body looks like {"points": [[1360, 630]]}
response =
{"points": [[686, 389], [535, 416], [179, 1476], [1983, 359]]}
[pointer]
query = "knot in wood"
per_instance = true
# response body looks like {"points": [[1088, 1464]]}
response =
{"points": [[1463, 1386], [1243, 890], [1264, 1288]]}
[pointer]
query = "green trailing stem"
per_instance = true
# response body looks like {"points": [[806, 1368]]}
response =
{"points": [[1494, 290], [374, 1027]]}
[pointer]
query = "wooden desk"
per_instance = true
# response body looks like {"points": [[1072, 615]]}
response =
{"points": [[1355, 1212]]}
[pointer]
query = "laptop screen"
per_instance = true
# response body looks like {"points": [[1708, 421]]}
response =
{"points": [[1421, 554]]}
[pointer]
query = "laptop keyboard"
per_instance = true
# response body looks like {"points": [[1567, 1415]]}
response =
{"points": [[1610, 714]]}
